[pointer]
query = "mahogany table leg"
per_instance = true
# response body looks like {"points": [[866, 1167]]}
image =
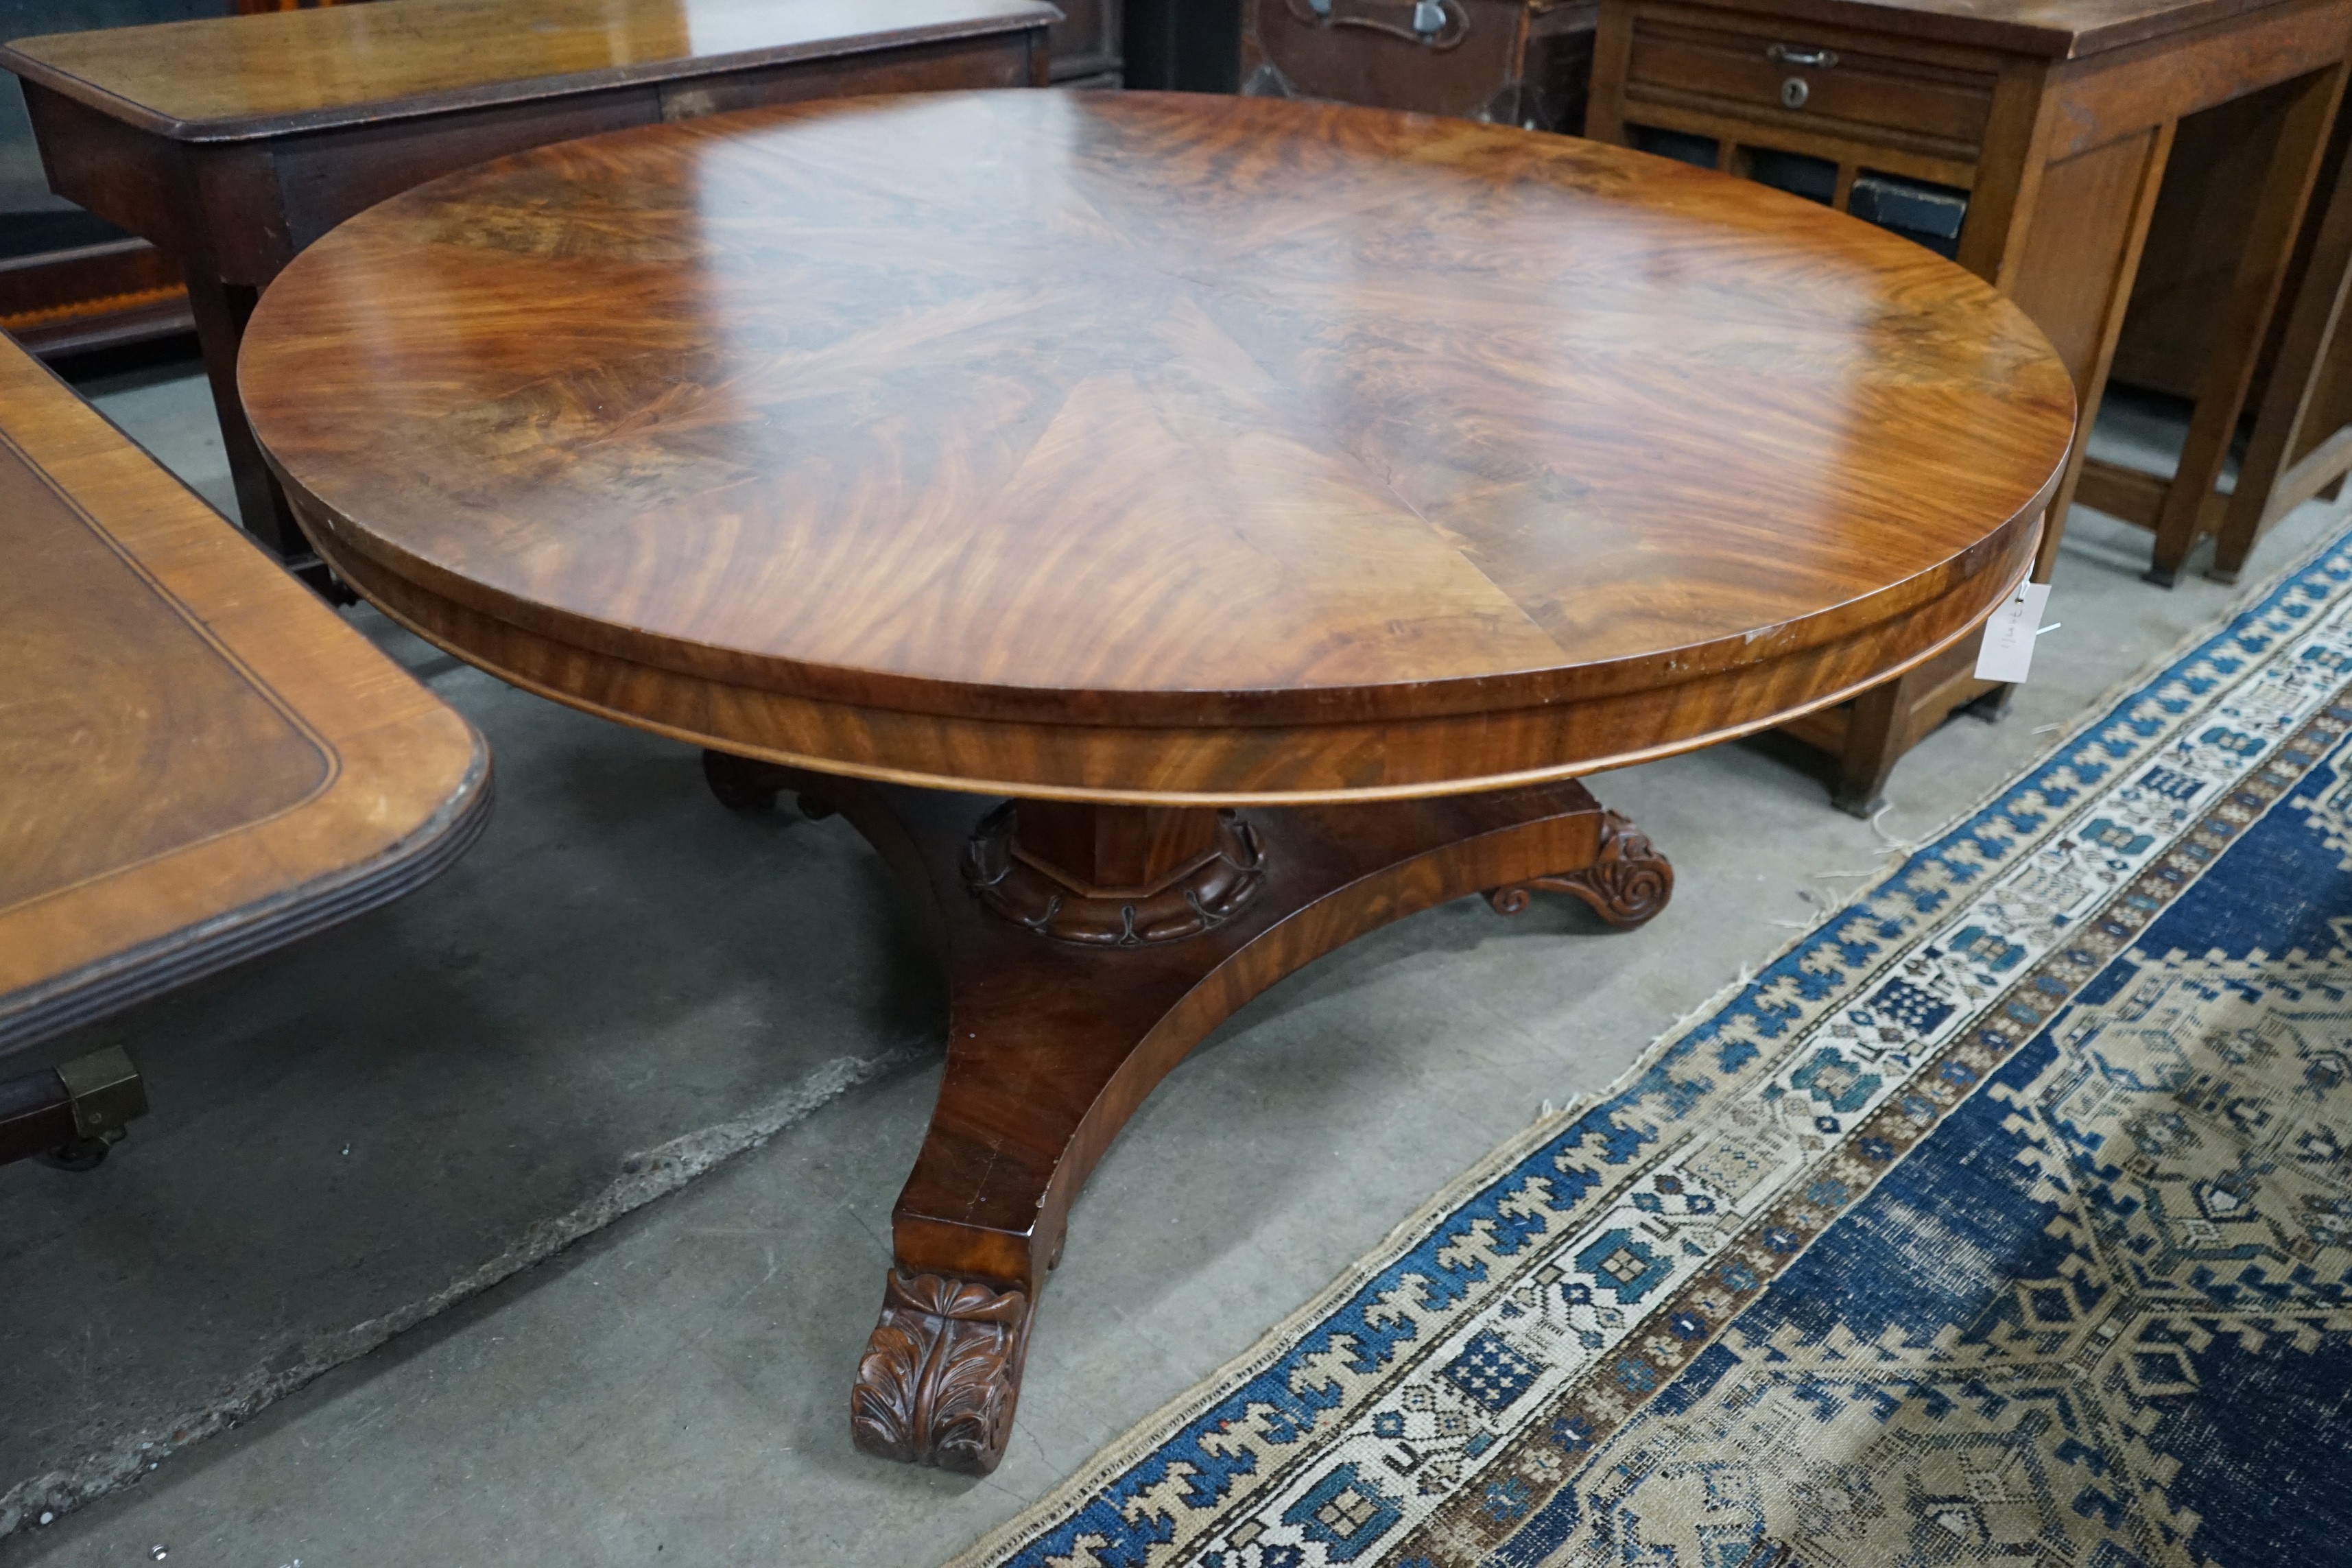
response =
{"points": [[1088, 949]]}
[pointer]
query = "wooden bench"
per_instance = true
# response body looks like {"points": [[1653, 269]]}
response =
{"points": [[199, 760]]}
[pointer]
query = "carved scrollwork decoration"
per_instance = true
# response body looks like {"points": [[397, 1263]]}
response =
{"points": [[1197, 898], [940, 1374], [1627, 883], [749, 784], [1435, 25]]}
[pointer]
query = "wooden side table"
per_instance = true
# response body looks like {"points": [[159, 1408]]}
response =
{"points": [[200, 761], [2028, 139], [231, 144], [1087, 43]]}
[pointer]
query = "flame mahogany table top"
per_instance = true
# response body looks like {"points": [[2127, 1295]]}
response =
{"points": [[1153, 447]]}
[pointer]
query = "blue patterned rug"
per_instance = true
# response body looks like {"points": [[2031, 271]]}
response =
{"points": [[2006, 1218]]}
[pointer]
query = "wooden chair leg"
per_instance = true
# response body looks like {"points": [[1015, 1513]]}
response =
{"points": [[2313, 316], [2238, 336]]}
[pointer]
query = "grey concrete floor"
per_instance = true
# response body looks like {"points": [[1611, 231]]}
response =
{"points": [[345, 1130]]}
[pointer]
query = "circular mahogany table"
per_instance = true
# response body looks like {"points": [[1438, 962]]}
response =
{"points": [[1282, 503]]}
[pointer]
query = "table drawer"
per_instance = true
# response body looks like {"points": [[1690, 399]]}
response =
{"points": [[1796, 76]]}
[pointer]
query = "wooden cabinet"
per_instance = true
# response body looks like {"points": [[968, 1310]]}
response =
{"points": [[116, 291]]}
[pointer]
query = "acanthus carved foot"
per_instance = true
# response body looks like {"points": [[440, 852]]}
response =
{"points": [[940, 1374], [1628, 881]]}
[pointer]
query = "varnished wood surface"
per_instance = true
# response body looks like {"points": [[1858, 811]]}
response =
{"points": [[2062, 29], [2056, 117], [198, 759], [1515, 62], [1052, 1044], [1155, 447], [234, 78]]}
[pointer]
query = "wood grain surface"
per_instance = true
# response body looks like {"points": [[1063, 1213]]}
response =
{"points": [[2061, 29], [198, 760], [1155, 447], [232, 78], [1052, 1044]]}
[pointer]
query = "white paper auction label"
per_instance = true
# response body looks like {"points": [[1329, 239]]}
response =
{"points": [[2007, 653]]}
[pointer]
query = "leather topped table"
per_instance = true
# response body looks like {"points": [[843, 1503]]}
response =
{"points": [[198, 760], [1283, 502], [232, 143]]}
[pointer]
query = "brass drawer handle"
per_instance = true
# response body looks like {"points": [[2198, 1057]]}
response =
{"points": [[1436, 25], [1793, 55]]}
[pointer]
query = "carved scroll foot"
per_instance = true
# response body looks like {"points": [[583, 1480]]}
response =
{"points": [[746, 783], [941, 1373], [1628, 881]]}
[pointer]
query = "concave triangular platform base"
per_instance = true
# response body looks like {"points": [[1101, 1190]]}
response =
{"points": [[1089, 948]]}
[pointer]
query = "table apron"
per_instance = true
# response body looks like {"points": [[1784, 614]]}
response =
{"points": [[1209, 766]]}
